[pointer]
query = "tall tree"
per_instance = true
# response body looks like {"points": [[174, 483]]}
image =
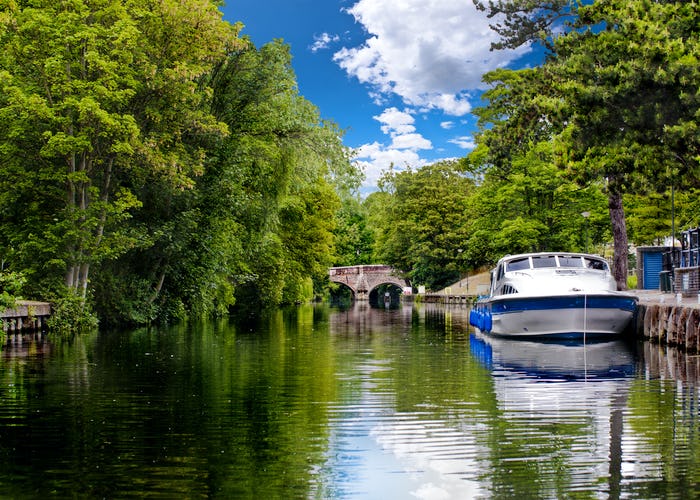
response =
{"points": [[98, 94], [628, 86], [531, 207], [256, 227], [353, 235], [420, 222], [284, 166], [626, 73]]}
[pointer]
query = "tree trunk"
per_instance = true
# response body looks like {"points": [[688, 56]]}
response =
{"points": [[619, 230], [71, 276], [82, 286], [158, 288]]}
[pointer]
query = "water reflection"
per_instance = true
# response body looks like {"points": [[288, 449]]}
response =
{"points": [[561, 410], [314, 402], [552, 359]]}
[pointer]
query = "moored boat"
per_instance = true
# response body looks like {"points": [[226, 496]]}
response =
{"points": [[553, 294]]}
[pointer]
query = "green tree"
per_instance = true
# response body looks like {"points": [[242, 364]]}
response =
{"points": [[353, 234], [419, 222], [626, 76], [530, 207], [11, 284], [256, 228], [99, 97], [284, 167], [648, 217]]}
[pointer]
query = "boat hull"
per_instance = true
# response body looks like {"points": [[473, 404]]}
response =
{"points": [[568, 315]]}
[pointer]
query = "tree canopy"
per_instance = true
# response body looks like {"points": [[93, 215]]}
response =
{"points": [[154, 164], [616, 97]]}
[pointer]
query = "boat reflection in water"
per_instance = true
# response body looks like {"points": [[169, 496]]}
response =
{"points": [[544, 387], [603, 358], [530, 419]]}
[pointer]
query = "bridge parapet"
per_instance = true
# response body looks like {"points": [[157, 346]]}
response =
{"points": [[363, 269], [365, 278]]}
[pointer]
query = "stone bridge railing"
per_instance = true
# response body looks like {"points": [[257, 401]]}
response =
{"points": [[363, 279]]}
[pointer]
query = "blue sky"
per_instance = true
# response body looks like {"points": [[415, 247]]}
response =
{"points": [[399, 76]]}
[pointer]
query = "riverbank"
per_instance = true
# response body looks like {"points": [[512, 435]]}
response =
{"points": [[669, 319]]}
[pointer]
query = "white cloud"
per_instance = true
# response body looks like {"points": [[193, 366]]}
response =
{"points": [[430, 53], [464, 142], [447, 125], [401, 152], [411, 141], [375, 158], [399, 126], [396, 122], [323, 41]]}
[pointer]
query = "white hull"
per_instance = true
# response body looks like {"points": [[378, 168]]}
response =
{"points": [[603, 321]]}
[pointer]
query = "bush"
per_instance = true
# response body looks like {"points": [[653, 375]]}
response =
{"points": [[71, 314], [10, 285]]}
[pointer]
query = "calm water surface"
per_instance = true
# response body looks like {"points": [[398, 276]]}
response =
{"points": [[366, 403]]}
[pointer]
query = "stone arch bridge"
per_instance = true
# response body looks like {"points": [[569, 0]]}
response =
{"points": [[363, 279]]}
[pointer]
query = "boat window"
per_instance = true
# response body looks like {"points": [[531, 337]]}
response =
{"points": [[598, 264], [544, 261], [570, 261], [519, 264]]}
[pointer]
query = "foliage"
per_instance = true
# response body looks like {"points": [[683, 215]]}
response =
{"points": [[256, 227], [70, 315], [648, 218], [283, 168], [419, 222], [96, 93], [516, 24], [353, 233], [156, 165], [11, 284], [687, 208], [624, 76], [532, 207]]}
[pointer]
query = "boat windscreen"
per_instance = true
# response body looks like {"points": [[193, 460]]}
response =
{"points": [[598, 264], [570, 261], [519, 264], [544, 261]]}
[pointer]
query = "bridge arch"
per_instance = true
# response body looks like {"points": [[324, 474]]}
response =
{"points": [[361, 280]]}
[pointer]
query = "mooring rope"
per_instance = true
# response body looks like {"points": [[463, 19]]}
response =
{"points": [[585, 319]]}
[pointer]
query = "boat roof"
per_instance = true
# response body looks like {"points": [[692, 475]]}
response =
{"points": [[541, 254], [553, 260]]}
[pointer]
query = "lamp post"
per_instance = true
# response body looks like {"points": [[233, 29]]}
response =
{"points": [[459, 267], [586, 215]]}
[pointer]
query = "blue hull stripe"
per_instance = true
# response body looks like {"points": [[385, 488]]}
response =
{"points": [[504, 305]]}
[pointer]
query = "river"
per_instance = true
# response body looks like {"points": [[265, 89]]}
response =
{"points": [[317, 402]]}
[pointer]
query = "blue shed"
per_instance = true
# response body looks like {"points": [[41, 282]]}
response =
{"points": [[650, 263]]}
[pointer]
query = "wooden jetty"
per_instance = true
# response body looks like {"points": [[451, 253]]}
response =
{"points": [[27, 315]]}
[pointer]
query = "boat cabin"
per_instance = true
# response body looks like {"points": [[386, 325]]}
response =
{"points": [[559, 263]]}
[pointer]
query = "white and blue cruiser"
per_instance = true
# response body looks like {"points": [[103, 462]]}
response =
{"points": [[553, 294]]}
